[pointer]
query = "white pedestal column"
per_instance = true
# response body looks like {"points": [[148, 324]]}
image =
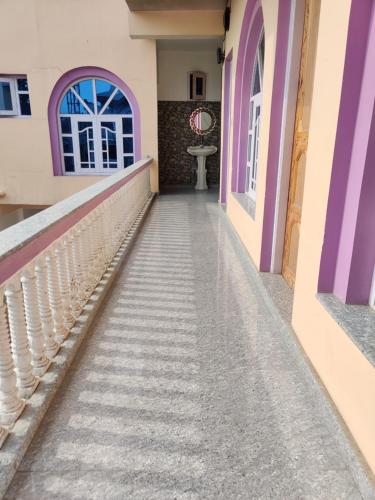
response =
{"points": [[201, 184]]}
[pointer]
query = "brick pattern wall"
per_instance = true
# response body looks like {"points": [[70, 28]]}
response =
{"points": [[176, 166]]}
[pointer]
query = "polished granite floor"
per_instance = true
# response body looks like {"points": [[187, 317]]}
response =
{"points": [[187, 387]]}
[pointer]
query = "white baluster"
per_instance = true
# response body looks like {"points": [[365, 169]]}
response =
{"points": [[63, 277], [26, 380], [77, 259], [11, 406], [39, 360], [76, 306], [3, 435], [97, 244], [84, 284], [50, 343], [54, 294], [91, 243]]}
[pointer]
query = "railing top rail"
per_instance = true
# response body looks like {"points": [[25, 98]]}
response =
{"points": [[56, 219]]}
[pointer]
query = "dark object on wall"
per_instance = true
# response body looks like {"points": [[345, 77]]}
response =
{"points": [[226, 18], [197, 86], [176, 166], [220, 56]]}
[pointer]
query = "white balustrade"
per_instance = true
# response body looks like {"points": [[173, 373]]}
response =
{"points": [[11, 405], [39, 359], [26, 380], [41, 301], [45, 313], [55, 299]]}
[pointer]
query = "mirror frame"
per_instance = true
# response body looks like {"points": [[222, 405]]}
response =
{"points": [[197, 130]]}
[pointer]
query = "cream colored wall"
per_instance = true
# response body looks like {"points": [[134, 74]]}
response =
{"points": [[173, 69], [348, 376], [249, 229], [176, 24], [44, 39]]}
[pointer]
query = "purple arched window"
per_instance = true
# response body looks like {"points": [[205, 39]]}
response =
{"points": [[94, 123]]}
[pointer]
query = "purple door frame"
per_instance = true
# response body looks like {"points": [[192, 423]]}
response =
{"points": [[226, 126]]}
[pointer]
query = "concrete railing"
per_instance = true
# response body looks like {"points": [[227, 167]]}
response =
{"points": [[50, 265]]}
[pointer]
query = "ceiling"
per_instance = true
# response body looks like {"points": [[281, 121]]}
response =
{"points": [[186, 45], [137, 5]]}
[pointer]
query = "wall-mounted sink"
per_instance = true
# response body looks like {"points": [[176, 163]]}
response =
{"points": [[201, 152]]}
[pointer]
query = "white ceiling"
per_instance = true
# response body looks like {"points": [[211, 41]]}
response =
{"points": [[176, 4], [187, 45]]}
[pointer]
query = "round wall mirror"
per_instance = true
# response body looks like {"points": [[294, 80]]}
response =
{"points": [[202, 121]]}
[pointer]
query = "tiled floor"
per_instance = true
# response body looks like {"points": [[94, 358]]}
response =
{"points": [[188, 387]]}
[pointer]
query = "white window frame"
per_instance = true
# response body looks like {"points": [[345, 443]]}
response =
{"points": [[254, 127], [96, 119], [13, 95]]}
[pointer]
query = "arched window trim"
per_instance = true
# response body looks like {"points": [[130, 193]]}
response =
{"points": [[96, 117], [252, 27], [255, 112], [58, 92]]}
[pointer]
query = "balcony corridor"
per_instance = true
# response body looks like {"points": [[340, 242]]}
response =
{"points": [[189, 386]]}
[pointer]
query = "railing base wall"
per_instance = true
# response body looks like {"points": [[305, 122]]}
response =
{"points": [[25, 428]]}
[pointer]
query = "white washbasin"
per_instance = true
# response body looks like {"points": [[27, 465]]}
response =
{"points": [[201, 150]]}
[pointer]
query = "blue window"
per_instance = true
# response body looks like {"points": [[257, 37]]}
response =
{"points": [[96, 128], [14, 96]]}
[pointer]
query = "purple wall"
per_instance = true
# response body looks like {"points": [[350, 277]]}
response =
{"points": [[349, 242], [61, 86], [275, 133], [226, 127], [252, 26]]}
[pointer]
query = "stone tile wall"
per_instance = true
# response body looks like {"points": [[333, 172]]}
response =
{"points": [[176, 166]]}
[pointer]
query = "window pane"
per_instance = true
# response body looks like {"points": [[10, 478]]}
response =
{"points": [[66, 127], [118, 105], [24, 104], [249, 147], [128, 144], [261, 53], [127, 125], [112, 147], [5, 97], [199, 86], [83, 146], [109, 125], [71, 105], [84, 125], [128, 160], [67, 144], [103, 92], [22, 84], [84, 90], [69, 163], [256, 82]]}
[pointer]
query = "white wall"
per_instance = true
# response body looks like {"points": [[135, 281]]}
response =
{"points": [[173, 69]]}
